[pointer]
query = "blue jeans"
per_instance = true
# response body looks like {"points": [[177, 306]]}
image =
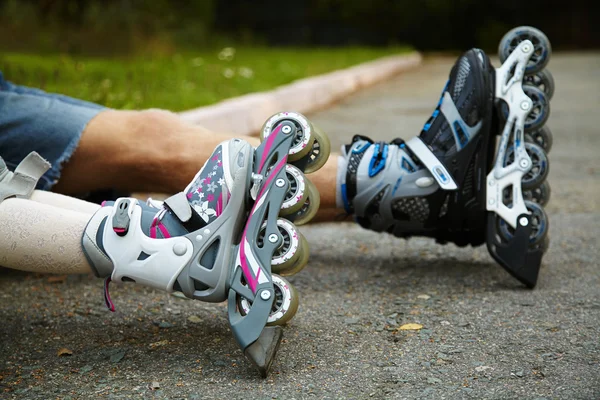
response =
{"points": [[33, 120]]}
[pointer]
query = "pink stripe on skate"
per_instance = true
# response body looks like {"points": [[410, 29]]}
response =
{"points": [[219, 207], [253, 281], [268, 145], [153, 228], [164, 231]]}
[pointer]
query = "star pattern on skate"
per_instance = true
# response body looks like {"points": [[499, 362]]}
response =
{"points": [[205, 192]]}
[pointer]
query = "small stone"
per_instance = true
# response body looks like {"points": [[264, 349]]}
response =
{"points": [[165, 325], [118, 356], [154, 385], [464, 324], [194, 319], [467, 389], [351, 321], [85, 369], [445, 323], [426, 364], [424, 297], [519, 374], [482, 368], [433, 381]]}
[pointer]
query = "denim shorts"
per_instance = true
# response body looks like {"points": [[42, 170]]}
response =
{"points": [[33, 120]]}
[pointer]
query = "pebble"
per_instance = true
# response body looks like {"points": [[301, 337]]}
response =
{"points": [[194, 319], [519, 373], [351, 321], [85, 369], [424, 297], [165, 325], [433, 381], [118, 356]]}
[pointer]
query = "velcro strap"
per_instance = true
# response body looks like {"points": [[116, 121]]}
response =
{"points": [[431, 162], [22, 182], [180, 207]]}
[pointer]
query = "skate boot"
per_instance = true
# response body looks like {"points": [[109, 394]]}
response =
{"points": [[457, 181], [222, 237]]}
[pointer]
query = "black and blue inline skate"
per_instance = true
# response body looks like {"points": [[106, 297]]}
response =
{"points": [[477, 171]]}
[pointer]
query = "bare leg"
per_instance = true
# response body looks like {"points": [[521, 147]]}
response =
{"points": [[154, 151], [41, 237]]}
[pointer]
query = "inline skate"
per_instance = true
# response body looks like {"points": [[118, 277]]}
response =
{"points": [[477, 171], [226, 235]]}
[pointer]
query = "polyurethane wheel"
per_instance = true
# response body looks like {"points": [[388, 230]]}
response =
{"points": [[310, 207], [292, 255], [542, 50], [302, 144], [540, 195], [320, 151], [539, 225], [539, 168], [285, 302], [295, 197], [542, 137], [542, 80]]}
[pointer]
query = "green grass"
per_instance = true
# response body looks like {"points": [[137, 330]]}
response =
{"points": [[181, 81]]}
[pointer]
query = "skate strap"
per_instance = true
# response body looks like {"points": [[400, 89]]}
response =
{"points": [[22, 182], [431, 162], [180, 207], [107, 300]]}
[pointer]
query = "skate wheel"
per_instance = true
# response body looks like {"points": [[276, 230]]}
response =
{"points": [[542, 137], [539, 165], [302, 145], [320, 151], [295, 197], [540, 109], [542, 80], [285, 303], [539, 195], [539, 225], [542, 48], [292, 255], [310, 207]]}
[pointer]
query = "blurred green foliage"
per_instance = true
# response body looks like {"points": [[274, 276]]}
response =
{"points": [[105, 26], [165, 26], [180, 81]]}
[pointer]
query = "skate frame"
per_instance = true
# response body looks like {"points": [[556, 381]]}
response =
{"points": [[509, 78]]}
